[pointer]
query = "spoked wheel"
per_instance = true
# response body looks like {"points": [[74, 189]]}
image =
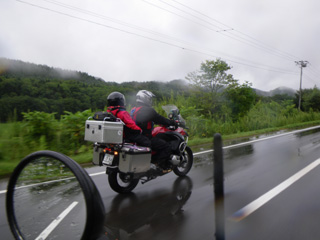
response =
{"points": [[121, 182], [185, 165]]}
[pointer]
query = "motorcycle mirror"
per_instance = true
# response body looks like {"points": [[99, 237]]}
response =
{"points": [[50, 195]]}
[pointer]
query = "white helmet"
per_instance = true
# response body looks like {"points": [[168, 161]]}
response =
{"points": [[145, 97]]}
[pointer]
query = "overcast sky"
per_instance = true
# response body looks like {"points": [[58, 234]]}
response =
{"points": [[163, 40]]}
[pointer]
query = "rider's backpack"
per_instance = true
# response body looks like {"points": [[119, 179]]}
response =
{"points": [[104, 116]]}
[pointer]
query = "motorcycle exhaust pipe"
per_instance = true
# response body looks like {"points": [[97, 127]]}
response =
{"points": [[182, 147], [175, 160]]}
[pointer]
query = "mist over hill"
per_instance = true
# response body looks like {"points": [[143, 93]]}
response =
{"points": [[20, 69], [277, 91]]}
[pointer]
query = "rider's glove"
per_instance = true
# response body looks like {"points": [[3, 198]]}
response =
{"points": [[174, 123]]}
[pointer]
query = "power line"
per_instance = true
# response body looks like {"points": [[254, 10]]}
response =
{"points": [[310, 71], [292, 57], [100, 24], [114, 20], [225, 32], [221, 31], [267, 68], [124, 24], [314, 70], [310, 78], [231, 34]]}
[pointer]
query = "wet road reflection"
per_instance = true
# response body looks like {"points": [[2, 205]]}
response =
{"points": [[135, 215]]}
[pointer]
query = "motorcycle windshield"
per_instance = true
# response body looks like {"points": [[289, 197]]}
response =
{"points": [[173, 112], [169, 108]]}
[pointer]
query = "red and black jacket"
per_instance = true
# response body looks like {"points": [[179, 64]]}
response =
{"points": [[130, 127]]}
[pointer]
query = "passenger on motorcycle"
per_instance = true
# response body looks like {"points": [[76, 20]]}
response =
{"points": [[145, 117], [132, 133]]}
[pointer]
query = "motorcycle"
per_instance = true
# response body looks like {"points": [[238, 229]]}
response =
{"points": [[126, 163]]}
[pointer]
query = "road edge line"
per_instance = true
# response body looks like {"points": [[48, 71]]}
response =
{"points": [[259, 202]]}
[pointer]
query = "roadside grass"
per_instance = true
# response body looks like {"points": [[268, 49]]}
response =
{"points": [[200, 141], [7, 165], [12, 149], [83, 158]]}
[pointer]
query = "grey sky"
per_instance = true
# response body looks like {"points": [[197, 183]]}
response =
{"points": [[145, 40]]}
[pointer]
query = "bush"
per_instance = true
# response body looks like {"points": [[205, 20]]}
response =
{"points": [[72, 130], [40, 124]]}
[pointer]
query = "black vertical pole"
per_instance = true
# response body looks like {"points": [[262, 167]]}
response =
{"points": [[218, 187]]}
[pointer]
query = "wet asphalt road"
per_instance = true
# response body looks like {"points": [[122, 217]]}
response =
{"points": [[183, 208]]}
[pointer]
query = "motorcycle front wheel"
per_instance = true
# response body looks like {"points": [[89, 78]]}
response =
{"points": [[186, 164], [121, 182]]}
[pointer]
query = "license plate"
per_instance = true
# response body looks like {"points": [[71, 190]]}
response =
{"points": [[108, 159]]}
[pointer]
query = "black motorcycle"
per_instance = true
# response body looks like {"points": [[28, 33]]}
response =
{"points": [[128, 163]]}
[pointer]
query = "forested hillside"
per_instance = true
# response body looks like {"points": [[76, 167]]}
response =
{"points": [[28, 87]]}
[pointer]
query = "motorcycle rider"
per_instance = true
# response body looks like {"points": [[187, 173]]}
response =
{"points": [[145, 117], [116, 103]]}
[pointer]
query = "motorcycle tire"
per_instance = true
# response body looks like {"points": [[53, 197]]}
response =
{"points": [[119, 184], [183, 168]]}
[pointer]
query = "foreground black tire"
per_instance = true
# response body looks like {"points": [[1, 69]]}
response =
{"points": [[121, 183], [93, 206], [185, 166]]}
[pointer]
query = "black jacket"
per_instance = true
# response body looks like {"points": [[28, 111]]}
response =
{"points": [[145, 117]]}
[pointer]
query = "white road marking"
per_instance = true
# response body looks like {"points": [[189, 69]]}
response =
{"points": [[203, 152], [45, 233], [95, 174], [259, 202]]}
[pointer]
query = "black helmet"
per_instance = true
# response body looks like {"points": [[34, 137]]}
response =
{"points": [[116, 99], [145, 97]]}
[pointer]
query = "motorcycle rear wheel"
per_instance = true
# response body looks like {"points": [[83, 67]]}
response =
{"points": [[121, 183], [185, 166]]}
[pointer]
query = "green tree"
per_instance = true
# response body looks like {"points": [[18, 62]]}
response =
{"points": [[210, 80], [74, 128], [240, 98], [311, 99], [40, 124]]}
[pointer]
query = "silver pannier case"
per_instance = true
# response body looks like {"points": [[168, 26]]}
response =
{"points": [[134, 158], [103, 131], [98, 155]]}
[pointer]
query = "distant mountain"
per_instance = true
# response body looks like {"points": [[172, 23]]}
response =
{"points": [[283, 90], [20, 69], [277, 91]]}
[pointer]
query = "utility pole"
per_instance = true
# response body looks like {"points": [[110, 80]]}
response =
{"points": [[302, 64]]}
